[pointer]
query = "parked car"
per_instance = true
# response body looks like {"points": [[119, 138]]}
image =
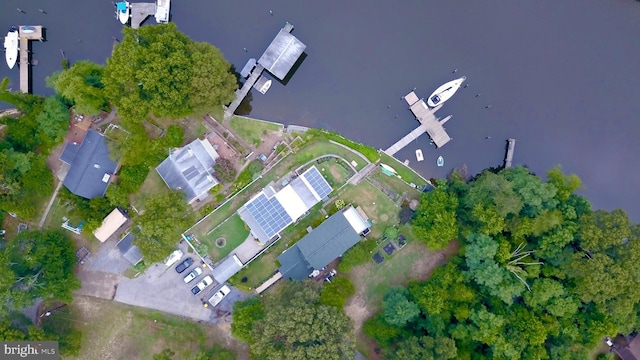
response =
{"points": [[192, 275], [202, 285], [173, 258], [219, 295], [184, 265]]}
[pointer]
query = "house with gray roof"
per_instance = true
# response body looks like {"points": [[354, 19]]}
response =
{"points": [[323, 244], [190, 169], [90, 167], [129, 251]]}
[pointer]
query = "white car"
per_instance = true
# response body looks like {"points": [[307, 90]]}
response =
{"points": [[192, 275], [173, 258], [219, 295], [208, 280]]}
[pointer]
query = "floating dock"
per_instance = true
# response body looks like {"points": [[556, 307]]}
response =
{"points": [[24, 62], [511, 147], [140, 12], [429, 124]]}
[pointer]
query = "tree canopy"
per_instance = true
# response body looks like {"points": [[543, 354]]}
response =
{"points": [[158, 70], [539, 274], [160, 226], [297, 326], [82, 85]]}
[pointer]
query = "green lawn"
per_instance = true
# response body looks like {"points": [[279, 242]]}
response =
{"points": [[395, 184], [252, 130], [335, 174], [406, 173], [153, 185], [234, 231], [382, 212], [121, 331]]}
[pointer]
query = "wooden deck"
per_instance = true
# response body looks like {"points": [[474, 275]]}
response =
{"points": [[429, 124], [511, 147], [241, 93], [24, 63], [140, 12]]}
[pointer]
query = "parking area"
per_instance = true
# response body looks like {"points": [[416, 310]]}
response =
{"points": [[163, 289]]}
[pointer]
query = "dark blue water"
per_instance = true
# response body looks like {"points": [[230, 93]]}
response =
{"points": [[560, 76]]}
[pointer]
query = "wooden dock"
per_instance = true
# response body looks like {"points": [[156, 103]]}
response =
{"points": [[24, 61], [511, 147], [140, 12], [242, 92], [429, 124]]}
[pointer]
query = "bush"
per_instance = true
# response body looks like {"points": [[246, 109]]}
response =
{"points": [[245, 313], [378, 329], [357, 255], [224, 170], [337, 292]]}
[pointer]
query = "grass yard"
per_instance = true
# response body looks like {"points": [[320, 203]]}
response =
{"points": [[117, 331], [395, 184], [335, 174], [153, 185], [406, 173], [234, 231], [382, 212], [252, 130]]}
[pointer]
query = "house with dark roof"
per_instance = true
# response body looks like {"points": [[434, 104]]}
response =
{"points": [[269, 212], [90, 167], [323, 244], [627, 348], [128, 250], [190, 169]]}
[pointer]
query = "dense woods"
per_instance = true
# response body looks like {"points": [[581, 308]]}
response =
{"points": [[539, 274]]}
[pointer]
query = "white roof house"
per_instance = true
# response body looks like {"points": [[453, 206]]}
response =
{"points": [[190, 169], [110, 225], [268, 212]]}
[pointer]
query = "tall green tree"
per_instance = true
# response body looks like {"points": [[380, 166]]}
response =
{"points": [[160, 226], [158, 70], [82, 84], [435, 221], [53, 121], [297, 326]]}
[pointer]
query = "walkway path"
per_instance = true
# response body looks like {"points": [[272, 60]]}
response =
{"points": [[46, 211]]}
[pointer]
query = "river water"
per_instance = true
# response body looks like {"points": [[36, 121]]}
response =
{"points": [[560, 76]]}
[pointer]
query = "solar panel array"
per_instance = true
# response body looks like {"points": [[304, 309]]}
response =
{"points": [[319, 184], [269, 214]]}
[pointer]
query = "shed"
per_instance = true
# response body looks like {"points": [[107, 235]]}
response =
{"points": [[227, 268], [282, 54], [110, 225], [129, 251]]}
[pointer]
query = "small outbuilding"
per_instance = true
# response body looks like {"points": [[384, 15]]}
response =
{"points": [[128, 250], [110, 225]]}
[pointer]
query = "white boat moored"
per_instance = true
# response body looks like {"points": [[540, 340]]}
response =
{"points": [[11, 47], [123, 11], [440, 161], [419, 155], [163, 8], [445, 92]]}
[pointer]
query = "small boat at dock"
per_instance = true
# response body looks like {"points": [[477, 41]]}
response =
{"points": [[440, 161], [445, 92], [419, 155], [123, 11], [28, 29], [163, 8], [388, 170], [11, 47]]}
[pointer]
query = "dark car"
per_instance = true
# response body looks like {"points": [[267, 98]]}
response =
{"points": [[184, 265]]}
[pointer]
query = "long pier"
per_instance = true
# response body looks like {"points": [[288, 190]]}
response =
{"points": [[429, 124], [25, 64], [511, 147]]}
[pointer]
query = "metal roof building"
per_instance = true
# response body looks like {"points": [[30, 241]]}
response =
{"points": [[90, 166], [282, 53], [323, 244], [268, 212], [129, 251], [190, 169], [110, 225]]}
